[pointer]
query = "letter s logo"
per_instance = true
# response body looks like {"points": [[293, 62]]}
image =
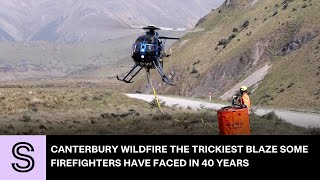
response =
{"points": [[23, 157]]}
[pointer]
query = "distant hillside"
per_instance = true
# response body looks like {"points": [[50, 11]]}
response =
{"points": [[79, 38], [95, 20], [272, 46], [48, 60], [32, 60]]}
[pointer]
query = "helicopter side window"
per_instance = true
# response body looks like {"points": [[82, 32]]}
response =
{"points": [[136, 45]]}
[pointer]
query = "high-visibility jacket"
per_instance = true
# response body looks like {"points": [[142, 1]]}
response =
{"points": [[245, 100]]}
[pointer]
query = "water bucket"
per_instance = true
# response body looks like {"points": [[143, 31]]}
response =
{"points": [[234, 121]]}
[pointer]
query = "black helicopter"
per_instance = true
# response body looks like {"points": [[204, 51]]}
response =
{"points": [[148, 52]]}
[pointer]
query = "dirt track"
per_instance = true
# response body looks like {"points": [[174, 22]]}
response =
{"points": [[297, 118]]}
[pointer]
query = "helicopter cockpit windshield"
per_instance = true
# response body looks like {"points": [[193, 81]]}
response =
{"points": [[144, 47], [146, 40]]}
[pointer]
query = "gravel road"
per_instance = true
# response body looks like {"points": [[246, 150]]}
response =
{"points": [[307, 120]]}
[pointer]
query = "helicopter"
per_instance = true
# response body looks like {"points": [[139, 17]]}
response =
{"points": [[147, 53]]}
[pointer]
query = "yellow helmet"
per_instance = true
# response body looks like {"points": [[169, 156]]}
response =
{"points": [[243, 88]]}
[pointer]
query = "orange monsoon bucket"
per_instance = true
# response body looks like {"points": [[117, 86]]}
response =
{"points": [[234, 121]]}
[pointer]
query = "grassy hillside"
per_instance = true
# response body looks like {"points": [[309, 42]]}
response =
{"points": [[234, 41]]}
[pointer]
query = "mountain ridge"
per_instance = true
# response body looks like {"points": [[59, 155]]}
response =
{"points": [[82, 21]]}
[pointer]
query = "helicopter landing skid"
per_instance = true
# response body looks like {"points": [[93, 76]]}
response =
{"points": [[163, 76], [131, 71]]}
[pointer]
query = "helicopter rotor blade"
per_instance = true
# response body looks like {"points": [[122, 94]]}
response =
{"points": [[173, 29], [156, 28], [170, 38]]}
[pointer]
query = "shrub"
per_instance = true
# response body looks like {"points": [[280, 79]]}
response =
{"points": [[245, 24], [96, 98], [194, 71], [154, 103], [197, 62], [281, 90], [290, 85], [174, 106], [223, 42], [275, 13], [285, 6], [232, 36], [26, 118]]}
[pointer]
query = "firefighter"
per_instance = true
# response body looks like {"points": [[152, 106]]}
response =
{"points": [[244, 100]]}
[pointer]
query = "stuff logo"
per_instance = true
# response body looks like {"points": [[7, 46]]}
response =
{"points": [[23, 157]]}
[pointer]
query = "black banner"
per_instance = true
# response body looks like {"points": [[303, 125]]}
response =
{"points": [[98, 156]]}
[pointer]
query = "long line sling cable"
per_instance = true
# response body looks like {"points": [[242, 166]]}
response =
{"points": [[154, 92]]}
